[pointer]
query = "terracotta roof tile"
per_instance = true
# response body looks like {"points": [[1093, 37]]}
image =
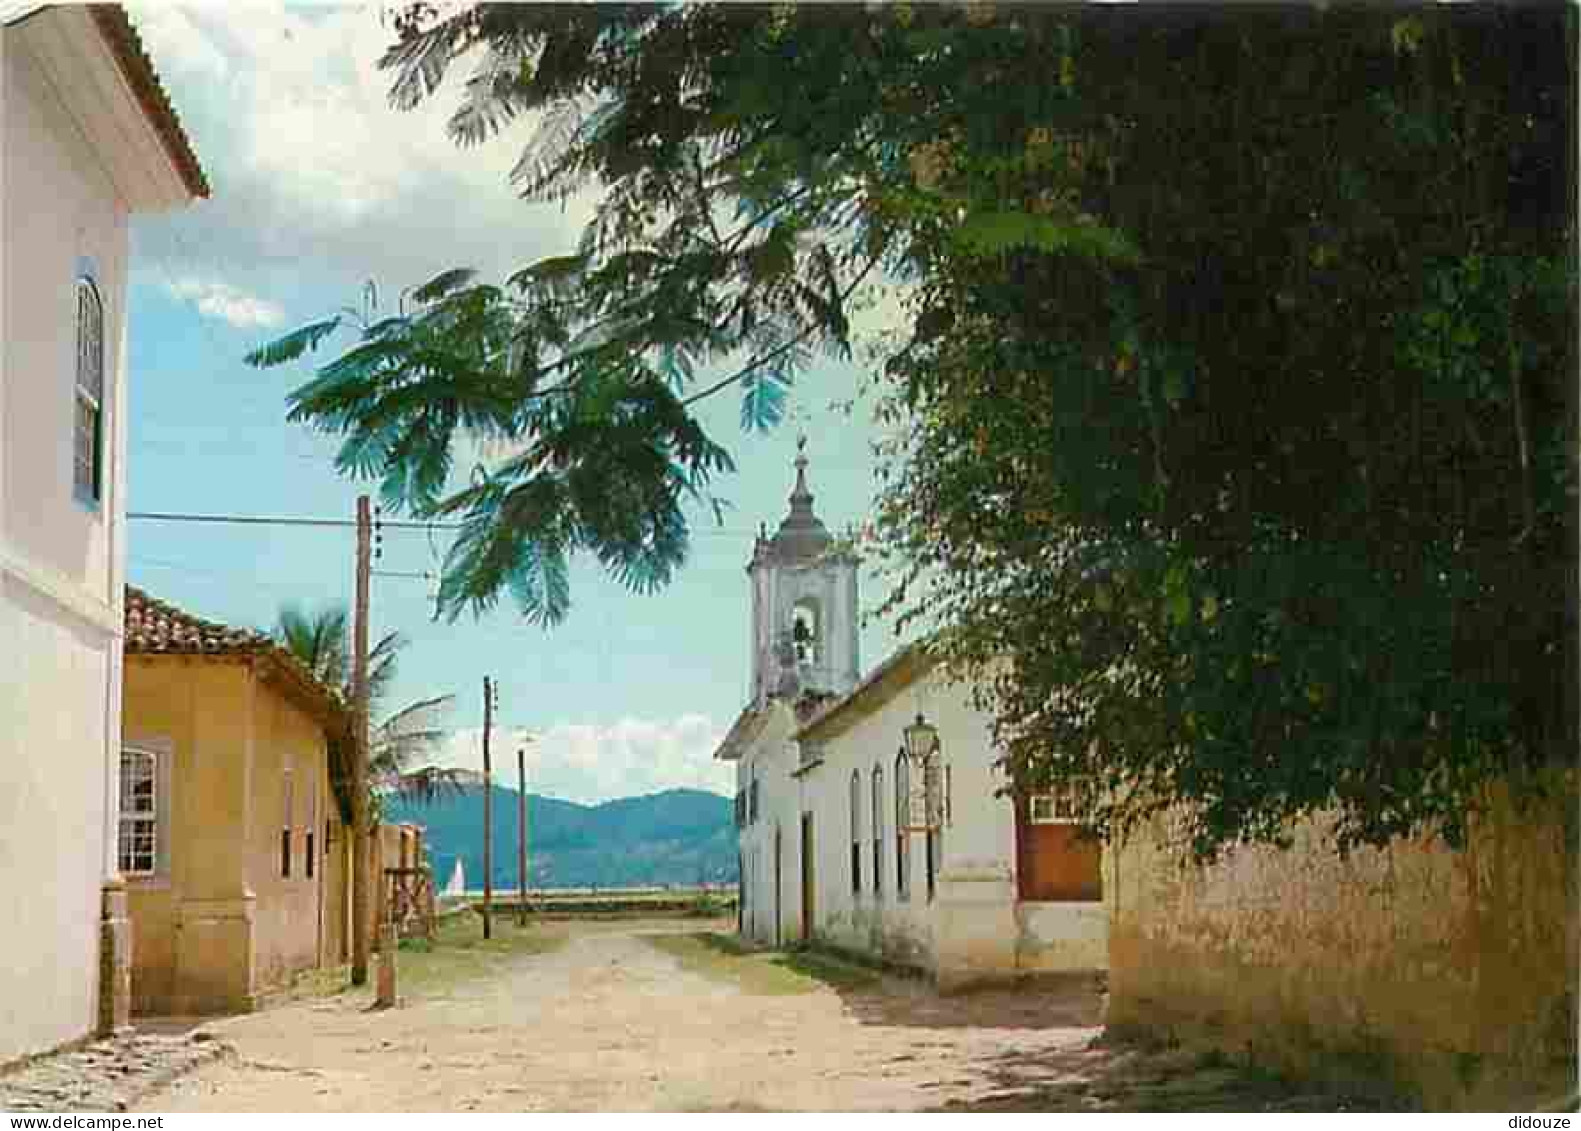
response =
{"points": [[158, 628], [154, 626]]}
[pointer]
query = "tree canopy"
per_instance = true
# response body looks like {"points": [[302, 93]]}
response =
{"points": [[1278, 514], [1237, 401]]}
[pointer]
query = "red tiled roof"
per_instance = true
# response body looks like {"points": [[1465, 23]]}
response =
{"points": [[158, 628], [153, 626], [127, 47]]}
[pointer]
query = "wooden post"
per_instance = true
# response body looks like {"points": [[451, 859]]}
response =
{"points": [[387, 945], [488, 813], [521, 838], [361, 889]]}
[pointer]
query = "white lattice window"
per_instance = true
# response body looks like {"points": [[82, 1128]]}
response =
{"points": [[1057, 807], [139, 833], [88, 426]]}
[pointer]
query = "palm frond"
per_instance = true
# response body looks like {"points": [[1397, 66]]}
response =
{"points": [[319, 640], [424, 786], [444, 284], [293, 345]]}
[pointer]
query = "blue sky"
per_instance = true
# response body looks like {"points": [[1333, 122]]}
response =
{"points": [[319, 187]]}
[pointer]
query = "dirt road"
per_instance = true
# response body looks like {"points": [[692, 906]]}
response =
{"points": [[656, 1016]]}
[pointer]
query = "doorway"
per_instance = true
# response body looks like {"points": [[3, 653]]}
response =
{"points": [[808, 903], [779, 872]]}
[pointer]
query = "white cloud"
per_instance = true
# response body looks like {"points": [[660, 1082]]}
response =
{"points": [[314, 174], [588, 763], [223, 301]]}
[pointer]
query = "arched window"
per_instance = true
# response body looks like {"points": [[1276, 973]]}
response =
{"points": [[878, 829], [902, 799], [807, 631], [88, 425], [856, 832]]}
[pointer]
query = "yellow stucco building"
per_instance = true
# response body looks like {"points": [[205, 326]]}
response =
{"points": [[234, 850]]}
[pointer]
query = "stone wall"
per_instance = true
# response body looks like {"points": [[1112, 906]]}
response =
{"points": [[1449, 973]]}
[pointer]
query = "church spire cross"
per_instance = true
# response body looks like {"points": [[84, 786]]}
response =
{"points": [[800, 492]]}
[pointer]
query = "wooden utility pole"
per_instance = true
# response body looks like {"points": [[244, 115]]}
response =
{"points": [[488, 812], [361, 857], [521, 837]]}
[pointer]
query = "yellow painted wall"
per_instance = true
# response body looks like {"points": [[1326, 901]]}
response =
{"points": [[1452, 974], [286, 923], [337, 892], [219, 924]]}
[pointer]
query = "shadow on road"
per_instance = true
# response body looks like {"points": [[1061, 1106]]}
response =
{"points": [[881, 997], [1111, 1076]]}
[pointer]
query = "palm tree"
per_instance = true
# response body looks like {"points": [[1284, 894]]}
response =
{"points": [[321, 641]]}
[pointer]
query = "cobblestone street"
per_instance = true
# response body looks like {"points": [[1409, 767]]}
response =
{"points": [[107, 1075], [649, 1016]]}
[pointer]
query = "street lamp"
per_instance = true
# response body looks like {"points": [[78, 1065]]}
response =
{"points": [[922, 740]]}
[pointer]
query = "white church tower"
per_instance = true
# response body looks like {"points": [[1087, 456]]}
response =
{"points": [[804, 605]]}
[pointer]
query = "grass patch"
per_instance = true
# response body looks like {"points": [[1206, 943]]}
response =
{"points": [[723, 958], [458, 953], [834, 972]]}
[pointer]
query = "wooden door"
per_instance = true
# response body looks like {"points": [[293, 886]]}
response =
{"points": [[1054, 864], [779, 876], [808, 902]]}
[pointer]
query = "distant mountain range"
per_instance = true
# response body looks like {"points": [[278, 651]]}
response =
{"points": [[680, 836]]}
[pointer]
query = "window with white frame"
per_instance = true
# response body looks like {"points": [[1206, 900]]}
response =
{"points": [[88, 417], [1055, 807], [138, 846]]}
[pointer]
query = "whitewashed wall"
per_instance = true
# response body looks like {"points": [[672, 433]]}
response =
{"points": [[973, 928], [771, 759], [60, 562]]}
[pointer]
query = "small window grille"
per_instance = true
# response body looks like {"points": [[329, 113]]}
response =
{"points": [[139, 839], [1057, 807]]}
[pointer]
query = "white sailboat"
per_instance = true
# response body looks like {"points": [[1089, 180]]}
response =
{"points": [[458, 880]]}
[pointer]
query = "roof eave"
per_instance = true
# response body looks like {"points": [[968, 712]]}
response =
{"points": [[93, 58], [137, 69], [894, 674]]}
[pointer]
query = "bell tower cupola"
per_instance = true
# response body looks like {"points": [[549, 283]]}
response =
{"points": [[804, 603]]}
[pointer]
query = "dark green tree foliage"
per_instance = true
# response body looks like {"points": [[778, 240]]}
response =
{"points": [[1277, 514], [1237, 405], [751, 165]]}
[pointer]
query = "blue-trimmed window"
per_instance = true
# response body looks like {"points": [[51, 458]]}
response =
{"points": [[88, 403]]}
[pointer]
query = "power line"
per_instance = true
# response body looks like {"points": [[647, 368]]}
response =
{"points": [[346, 523], [262, 520]]}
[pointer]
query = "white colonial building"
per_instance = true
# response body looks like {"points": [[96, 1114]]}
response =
{"points": [[87, 138], [921, 857]]}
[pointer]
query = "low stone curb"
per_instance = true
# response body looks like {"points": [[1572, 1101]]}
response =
{"points": [[108, 1075]]}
